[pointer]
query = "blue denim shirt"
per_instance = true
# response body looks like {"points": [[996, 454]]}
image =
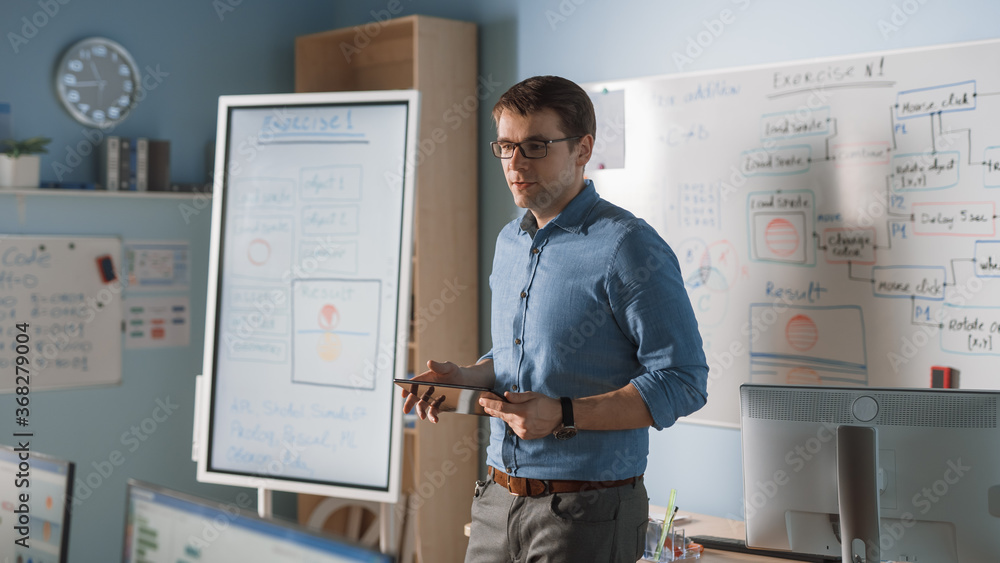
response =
{"points": [[590, 303]]}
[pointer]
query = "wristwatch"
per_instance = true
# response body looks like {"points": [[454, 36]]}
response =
{"points": [[567, 430]]}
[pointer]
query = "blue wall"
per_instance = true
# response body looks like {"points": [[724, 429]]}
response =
{"points": [[250, 50]]}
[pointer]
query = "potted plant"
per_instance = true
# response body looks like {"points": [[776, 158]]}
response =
{"points": [[20, 163]]}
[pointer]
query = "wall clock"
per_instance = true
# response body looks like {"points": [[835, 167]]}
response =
{"points": [[97, 81]]}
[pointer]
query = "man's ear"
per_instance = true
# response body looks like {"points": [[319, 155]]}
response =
{"points": [[585, 147]]}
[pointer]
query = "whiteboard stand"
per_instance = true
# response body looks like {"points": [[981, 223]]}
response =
{"points": [[265, 502], [387, 527], [199, 381], [383, 529]]}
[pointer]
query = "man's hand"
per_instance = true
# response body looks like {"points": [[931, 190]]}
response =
{"points": [[480, 375], [437, 371], [530, 415]]}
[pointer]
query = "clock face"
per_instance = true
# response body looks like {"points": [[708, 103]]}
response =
{"points": [[97, 81]]}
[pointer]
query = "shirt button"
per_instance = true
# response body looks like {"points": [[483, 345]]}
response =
{"points": [[535, 251], [509, 471], [509, 433], [513, 388], [517, 341], [524, 294]]}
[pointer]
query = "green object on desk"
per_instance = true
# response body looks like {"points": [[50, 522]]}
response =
{"points": [[667, 517], [672, 516]]}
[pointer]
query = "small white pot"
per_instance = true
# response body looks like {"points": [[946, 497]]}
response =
{"points": [[20, 172]]}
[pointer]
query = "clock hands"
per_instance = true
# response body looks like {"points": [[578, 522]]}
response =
{"points": [[97, 74], [100, 83]]}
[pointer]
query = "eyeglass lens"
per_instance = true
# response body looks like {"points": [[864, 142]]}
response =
{"points": [[529, 149]]}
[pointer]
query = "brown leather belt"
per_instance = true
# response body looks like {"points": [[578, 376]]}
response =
{"points": [[524, 487]]}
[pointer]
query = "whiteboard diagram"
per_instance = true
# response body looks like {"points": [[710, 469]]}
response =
{"points": [[825, 343], [262, 246], [856, 198], [336, 332]]}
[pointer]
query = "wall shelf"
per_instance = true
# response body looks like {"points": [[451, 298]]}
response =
{"points": [[99, 193]]}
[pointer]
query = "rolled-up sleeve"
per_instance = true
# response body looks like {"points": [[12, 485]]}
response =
{"points": [[651, 305]]}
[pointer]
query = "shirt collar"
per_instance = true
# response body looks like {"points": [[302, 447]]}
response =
{"points": [[572, 216], [529, 223]]}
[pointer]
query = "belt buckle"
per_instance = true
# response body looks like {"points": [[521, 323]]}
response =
{"points": [[518, 486], [522, 487]]}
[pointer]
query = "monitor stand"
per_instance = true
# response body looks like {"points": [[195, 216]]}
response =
{"points": [[857, 489], [265, 502]]}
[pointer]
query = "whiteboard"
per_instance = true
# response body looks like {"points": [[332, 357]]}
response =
{"points": [[73, 316], [835, 220], [309, 288]]}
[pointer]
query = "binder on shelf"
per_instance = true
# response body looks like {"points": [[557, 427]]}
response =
{"points": [[125, 162], [159, 165], [134, 164], [141, 164], [109, 163]]}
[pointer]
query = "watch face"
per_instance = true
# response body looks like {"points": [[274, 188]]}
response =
{"points": [[97, 81], [565, 433]]}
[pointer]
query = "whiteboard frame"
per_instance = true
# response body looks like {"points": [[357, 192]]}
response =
{"points": [[206, 474], [598, 86]]}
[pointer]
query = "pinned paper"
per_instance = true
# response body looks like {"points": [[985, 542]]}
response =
{"points": [[157, 322], [157, 265]]}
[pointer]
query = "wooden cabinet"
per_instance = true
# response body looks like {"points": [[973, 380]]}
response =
{"points": [[438, 58]]}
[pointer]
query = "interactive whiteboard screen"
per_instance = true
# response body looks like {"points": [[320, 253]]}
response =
{"points": [[835, 220], [309, 292]]}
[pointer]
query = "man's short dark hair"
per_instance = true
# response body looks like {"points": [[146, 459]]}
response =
{"points": [[570, 102]]}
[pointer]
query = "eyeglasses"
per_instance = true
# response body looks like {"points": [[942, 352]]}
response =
{"points": [[529, 149]]}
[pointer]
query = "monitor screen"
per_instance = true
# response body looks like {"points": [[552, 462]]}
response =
{"points": [[36, 530], [166, 526], [937, 468]]}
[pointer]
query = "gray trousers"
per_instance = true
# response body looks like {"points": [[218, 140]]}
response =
{"points": [[594, 526]]}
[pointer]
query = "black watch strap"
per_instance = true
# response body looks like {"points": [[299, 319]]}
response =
{"points": [[568, 429], [567, 408]]}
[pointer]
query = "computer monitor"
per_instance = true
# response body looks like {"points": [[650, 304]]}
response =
{"points": [[935, 470], [48, 484], [167, 526]]}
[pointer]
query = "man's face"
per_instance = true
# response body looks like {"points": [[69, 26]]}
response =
{"points": [[543, 185]]}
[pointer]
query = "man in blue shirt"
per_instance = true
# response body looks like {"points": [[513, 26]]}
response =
{"points": [[594, 341]]}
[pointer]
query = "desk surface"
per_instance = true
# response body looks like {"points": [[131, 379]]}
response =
{"points": [[703, 525]]}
